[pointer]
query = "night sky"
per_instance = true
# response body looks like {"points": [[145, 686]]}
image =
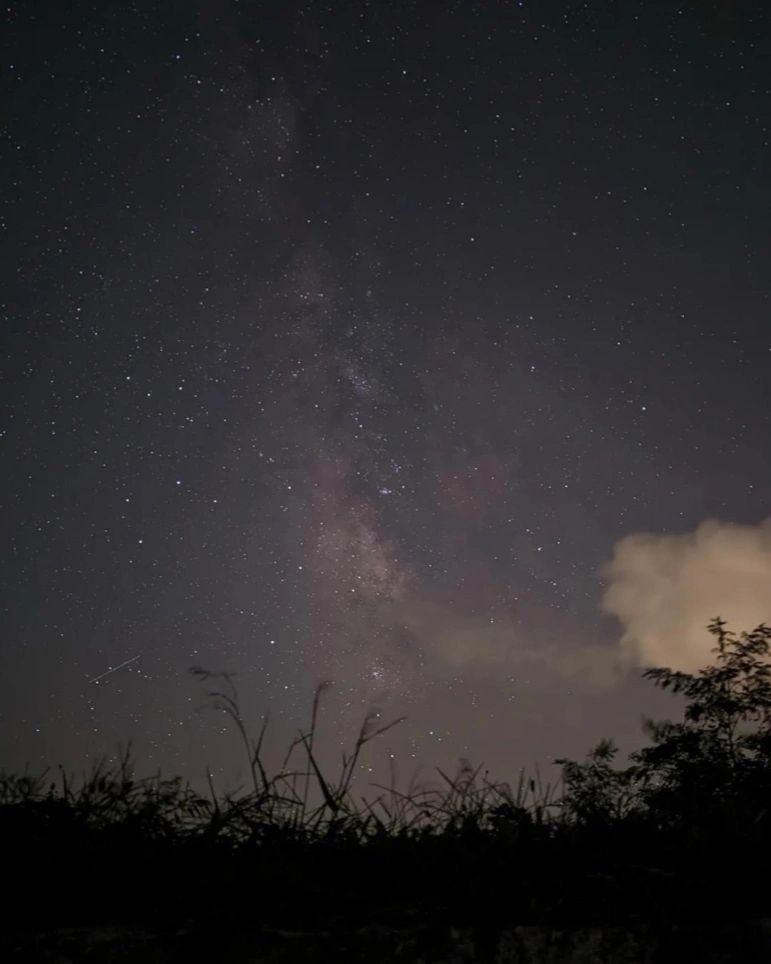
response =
{"points": [[403, 345]]}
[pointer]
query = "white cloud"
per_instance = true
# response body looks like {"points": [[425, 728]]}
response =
{"points": [[665, 589]]}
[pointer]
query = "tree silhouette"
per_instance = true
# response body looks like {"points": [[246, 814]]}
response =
{"points": [[713, 765], [717, 758]]}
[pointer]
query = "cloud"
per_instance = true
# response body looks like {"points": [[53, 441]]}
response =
{"points": [[664, 589], [455, 640], [602, 666]]}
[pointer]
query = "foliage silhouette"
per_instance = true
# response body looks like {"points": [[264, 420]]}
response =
{"points": [[656, 838], [718, 757], [710, 768]]}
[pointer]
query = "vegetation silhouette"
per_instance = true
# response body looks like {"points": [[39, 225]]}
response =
{"points": [[680, 833]]}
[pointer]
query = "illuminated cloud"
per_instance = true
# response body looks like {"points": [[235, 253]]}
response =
{"points": [[455, 640], [665, 589]]}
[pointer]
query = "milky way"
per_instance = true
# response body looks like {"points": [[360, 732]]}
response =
{"points": [[350, 344]]}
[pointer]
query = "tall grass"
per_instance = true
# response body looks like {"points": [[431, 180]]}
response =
{"points": [[606, 843], [297, 801]]}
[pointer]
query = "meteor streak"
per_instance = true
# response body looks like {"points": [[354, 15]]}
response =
{"points": [[114, 669]]}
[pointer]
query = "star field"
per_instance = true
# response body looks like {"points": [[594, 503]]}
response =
{"points": [[346, 342]]}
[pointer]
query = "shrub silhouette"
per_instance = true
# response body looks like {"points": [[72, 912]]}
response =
{"points": [[595, 792], [712, 766], [715, 764]]}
